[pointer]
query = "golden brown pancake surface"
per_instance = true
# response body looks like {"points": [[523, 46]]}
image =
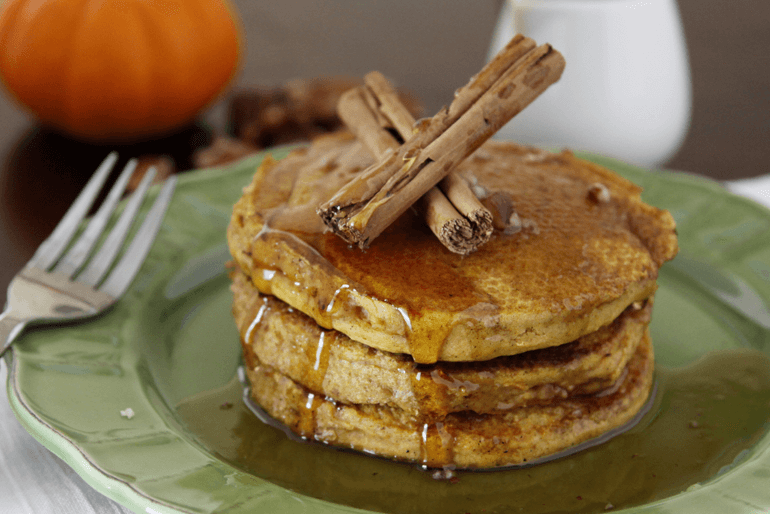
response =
{"points": [[465, 440], [330, 364], [576, 263]]}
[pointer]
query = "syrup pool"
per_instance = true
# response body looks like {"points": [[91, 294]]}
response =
{"points": [[705, 419]]}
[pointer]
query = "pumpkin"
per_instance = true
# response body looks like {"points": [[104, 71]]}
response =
{"points": [[117, 70]]}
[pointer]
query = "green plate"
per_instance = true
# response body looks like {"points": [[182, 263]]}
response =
{"points": [[169, 351]]}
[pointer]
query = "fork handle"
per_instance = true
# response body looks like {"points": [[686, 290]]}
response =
{"points": [[10, 328]]}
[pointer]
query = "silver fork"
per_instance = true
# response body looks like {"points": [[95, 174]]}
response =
{"points": [[55, 286]]}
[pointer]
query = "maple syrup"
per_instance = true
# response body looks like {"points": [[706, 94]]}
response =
{"points": [[604, 251], [704, 418]]}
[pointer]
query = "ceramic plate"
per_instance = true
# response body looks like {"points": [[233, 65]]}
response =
{"points": [[169, 352]]}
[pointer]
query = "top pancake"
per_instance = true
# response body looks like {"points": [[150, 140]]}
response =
{"points": [[574, 266]]}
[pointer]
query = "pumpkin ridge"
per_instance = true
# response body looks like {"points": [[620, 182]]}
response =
{"points": [[8, 13], [69, 110], [169, 47], [148, 78], [15, 36], [213, 50]]}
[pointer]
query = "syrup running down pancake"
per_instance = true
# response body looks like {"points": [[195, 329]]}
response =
{"points": [[464, 439], [533, 344], [328, 363], [575, 264]]}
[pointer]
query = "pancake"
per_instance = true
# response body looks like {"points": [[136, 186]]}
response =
{"points": [[464, 439], [330, 364], [577, 262]]}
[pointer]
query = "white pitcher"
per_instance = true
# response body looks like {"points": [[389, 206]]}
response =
{"points": [[625, 91]]}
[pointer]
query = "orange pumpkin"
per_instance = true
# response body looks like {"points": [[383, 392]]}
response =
{"points": [[117, 70]]}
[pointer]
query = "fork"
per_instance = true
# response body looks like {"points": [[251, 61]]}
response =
{"points": [[55, 286]]}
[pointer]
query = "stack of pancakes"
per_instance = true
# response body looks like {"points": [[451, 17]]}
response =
{"points": [[533, 344]]}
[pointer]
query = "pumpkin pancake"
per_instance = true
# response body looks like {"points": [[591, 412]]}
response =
{"points": [[584, 247], [328, 363], [462, 439]]}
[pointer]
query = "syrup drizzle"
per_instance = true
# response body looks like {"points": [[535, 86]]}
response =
{"points": [[662, 457], [430, 386], [294, 248], [320, 359], [292, 245], [307, 425], [437, 441], [436, 446]]}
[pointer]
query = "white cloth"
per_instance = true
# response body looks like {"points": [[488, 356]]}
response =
{"points": [[35, 481], [758, 189]]}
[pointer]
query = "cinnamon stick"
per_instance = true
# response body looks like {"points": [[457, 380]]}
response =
{"points": [[369, 128], [451, 209], [385, 100], [362, 209], [460, 194], [453, 230], [359, 110]]}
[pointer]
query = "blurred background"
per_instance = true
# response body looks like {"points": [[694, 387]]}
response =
{"points": [[433, 46], [429, 48]]}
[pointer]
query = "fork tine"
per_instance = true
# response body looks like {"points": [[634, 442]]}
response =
{"points": [[54, 245], [104, 258], [120, 277], [77, 255]]}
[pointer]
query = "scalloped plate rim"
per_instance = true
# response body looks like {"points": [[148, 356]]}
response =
{"points": [[124, 493]]}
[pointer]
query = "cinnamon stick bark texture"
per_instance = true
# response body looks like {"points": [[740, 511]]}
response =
{"points": [[374, 113], [375, 198], [461, 223]]}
